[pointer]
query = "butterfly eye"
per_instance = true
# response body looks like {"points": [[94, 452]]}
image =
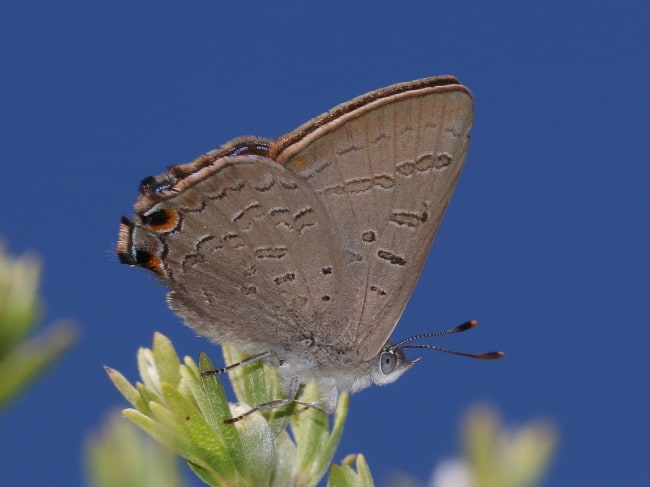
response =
{"points": [[387, 362]]}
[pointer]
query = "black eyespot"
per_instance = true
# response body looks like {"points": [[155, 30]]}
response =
{"points": [[387, 362], [157, 218]]}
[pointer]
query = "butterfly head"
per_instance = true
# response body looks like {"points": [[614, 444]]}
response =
{"points": [[390, 364]]}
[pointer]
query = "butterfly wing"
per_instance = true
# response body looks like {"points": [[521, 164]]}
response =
{"points": [[245, 245], [384, 167]]}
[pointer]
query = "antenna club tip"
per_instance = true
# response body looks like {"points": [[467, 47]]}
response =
{"points": [[495, 355], [472, 323]]}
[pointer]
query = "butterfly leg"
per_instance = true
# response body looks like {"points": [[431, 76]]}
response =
{"points": [[294, 387], [292, 392], [247, 360]]}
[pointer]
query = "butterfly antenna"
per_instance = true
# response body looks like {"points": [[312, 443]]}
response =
{"points": [[468, 325]]}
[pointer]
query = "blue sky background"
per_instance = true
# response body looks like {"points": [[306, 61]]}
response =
{"points": [[546, 241]]}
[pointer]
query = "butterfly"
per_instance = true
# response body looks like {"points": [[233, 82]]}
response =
{"points": [[303, 251]]}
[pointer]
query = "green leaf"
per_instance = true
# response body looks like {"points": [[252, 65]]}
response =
{"points": [[316, 446], [345, 475], [159, 432], [255, 383], [126, 389], [211, 398], [285, 461], [166, 359]]}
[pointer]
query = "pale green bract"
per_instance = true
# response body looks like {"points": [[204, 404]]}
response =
{"points": [[185, 411]]}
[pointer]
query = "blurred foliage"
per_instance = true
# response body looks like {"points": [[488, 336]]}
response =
{"points": [[503, 456], [496, 455], [24, 357], [121, 456]]}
